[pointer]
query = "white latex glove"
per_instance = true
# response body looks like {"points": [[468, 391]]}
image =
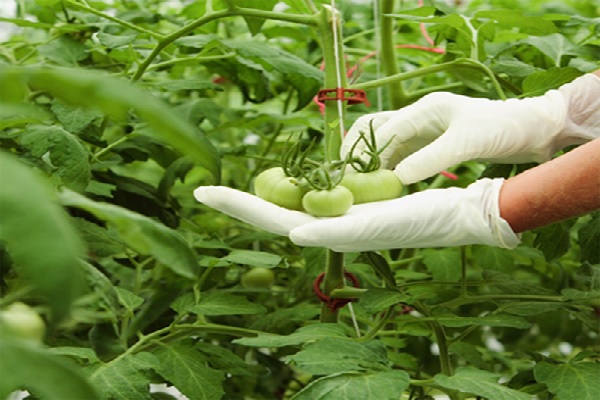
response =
{"points": [[432, 218], [444, 129]]}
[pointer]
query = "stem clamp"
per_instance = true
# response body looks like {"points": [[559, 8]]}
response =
{"points": [[333, 304], [353, 96]]}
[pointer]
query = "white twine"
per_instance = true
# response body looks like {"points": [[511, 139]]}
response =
{"points": [[338, 72]]}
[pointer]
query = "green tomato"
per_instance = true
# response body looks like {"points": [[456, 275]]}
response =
{"points": [[23, 321], [274, 186], [328, 203], [258, 278], [378, 185]]}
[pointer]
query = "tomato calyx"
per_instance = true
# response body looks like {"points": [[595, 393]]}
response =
{"points": [[372, 151]]}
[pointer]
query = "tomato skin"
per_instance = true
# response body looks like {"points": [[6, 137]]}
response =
{"points": [[328, 203], [23, 321], [378, 185], [258, 278], [274, 186]]}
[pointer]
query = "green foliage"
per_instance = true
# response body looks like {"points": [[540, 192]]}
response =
{"points": [[113, 112]]}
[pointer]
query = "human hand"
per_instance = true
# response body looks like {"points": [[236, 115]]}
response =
{"points": [[432, 218], [445, 129]]}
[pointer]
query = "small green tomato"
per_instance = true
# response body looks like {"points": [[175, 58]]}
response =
{"points": [[258, 278], [378, 185], [328, 203], [275, 186], [23, 321]]}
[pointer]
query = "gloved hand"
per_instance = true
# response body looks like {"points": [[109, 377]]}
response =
{"points": [[432, 218], [444, 129]]}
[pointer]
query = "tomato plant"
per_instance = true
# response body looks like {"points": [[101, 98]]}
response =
{"points": [[113, 112]]}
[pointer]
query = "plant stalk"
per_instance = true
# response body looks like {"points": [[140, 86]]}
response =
{"points": [[335, 76], [396, 95]]}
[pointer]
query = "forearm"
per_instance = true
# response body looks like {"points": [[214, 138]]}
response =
{"points": [[565, 187]]}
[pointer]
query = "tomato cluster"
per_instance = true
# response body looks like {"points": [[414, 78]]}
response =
{"points": [[354, 188], [323, 189]]}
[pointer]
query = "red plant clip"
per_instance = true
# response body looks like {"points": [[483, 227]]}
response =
{"points": [[333, 304], [353, 96]]}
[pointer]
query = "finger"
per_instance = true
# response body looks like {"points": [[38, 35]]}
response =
{"points": [[251, 209], [413, 127], [452, 147]]}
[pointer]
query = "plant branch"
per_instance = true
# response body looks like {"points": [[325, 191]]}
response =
{"points": [[167, 40], [83, 7], [459, 63]]}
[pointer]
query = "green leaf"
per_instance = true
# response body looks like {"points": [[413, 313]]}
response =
{"points": [[334, 355], [44, 374], [444, 264], [554, 240], [100, 241], [357, 386], [38, 235], [254, 24], [177, 170], [510, 285], [253, 258], [79, 353], [129, 300], [495, 320], [67, 156], [73, 118], [554, 46], [469, 353], [64, 51], [304, 334], [187, 84], [187, 369], [224, 359], [479, 382], [513, 19], [47, 3], [589, 240], [114, 41], [574, 294], [143, 234], [221, 303], [124, 377], [116, 97], [257, 56], [493, 258], [540, 82], [375, 299], [380, 264], [527, 308], [514, 68], [570, 381]]}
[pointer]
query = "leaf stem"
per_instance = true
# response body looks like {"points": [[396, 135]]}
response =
{"points": [[440, 336]]}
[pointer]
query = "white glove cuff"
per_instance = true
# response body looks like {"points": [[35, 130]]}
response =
{"points": [[582, 102], [486, 193]]}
